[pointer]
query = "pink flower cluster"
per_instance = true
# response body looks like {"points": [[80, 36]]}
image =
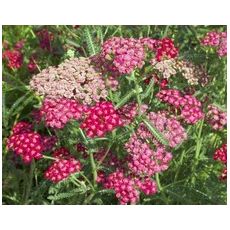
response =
{"points": [[170, 128], [164, 48], [124, 187], [57, 112], [25, 142], [75, 78], [191, 111], [14, 58], [121, 55], [146, 185], [216, 39], [221, 155], [22, 127], [150, 43], [45, 38], [190, 107], [216, 117], [63, 166], [100, 119], [29, 144], [129, 111], [19, 44], [127, 188], [143, 161]]}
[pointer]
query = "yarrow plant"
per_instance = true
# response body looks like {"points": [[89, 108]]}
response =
{"points": [[188, 105], [216, 117], [63, 166], [74, 79], [100, 119], [115, 119], [217, 40], [221, 156], [14, 58]]}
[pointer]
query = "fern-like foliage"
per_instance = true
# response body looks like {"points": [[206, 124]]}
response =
{"points": [[91, 45], [66, 195], [158, 135]]}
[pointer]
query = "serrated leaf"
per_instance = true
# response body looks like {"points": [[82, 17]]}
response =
{"points": [[89, 40], [158, 135]]}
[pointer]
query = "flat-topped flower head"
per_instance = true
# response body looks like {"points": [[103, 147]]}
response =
{"points": [[29, 145], [122, 55], [75, 78], [221, 154], [218, 40], [190, 106], [57, 112], [63, 166], [100, 119], [143, 160], [216, 117], [13, 58], [123, 186]]}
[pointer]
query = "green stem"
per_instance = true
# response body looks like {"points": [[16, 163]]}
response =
{"points": [[158, 182], [89, 198], [137, 89], [48, 157], [83, 135], [92, 162], [106, 153], [74, 181], [166, 31], [94, 169], [82, 174]]}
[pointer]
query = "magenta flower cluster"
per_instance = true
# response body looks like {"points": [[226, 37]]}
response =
{"points": [[121, 55], [63, 166], [101, 119], [143, 161], [45, 38], [124, 187], [57, 112], [25, 142], [216, 117], [221, 156], [163, 48], [29, 144], [146, 185], [14, 58], [189, 106], [218, 40], [127, 189]]}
